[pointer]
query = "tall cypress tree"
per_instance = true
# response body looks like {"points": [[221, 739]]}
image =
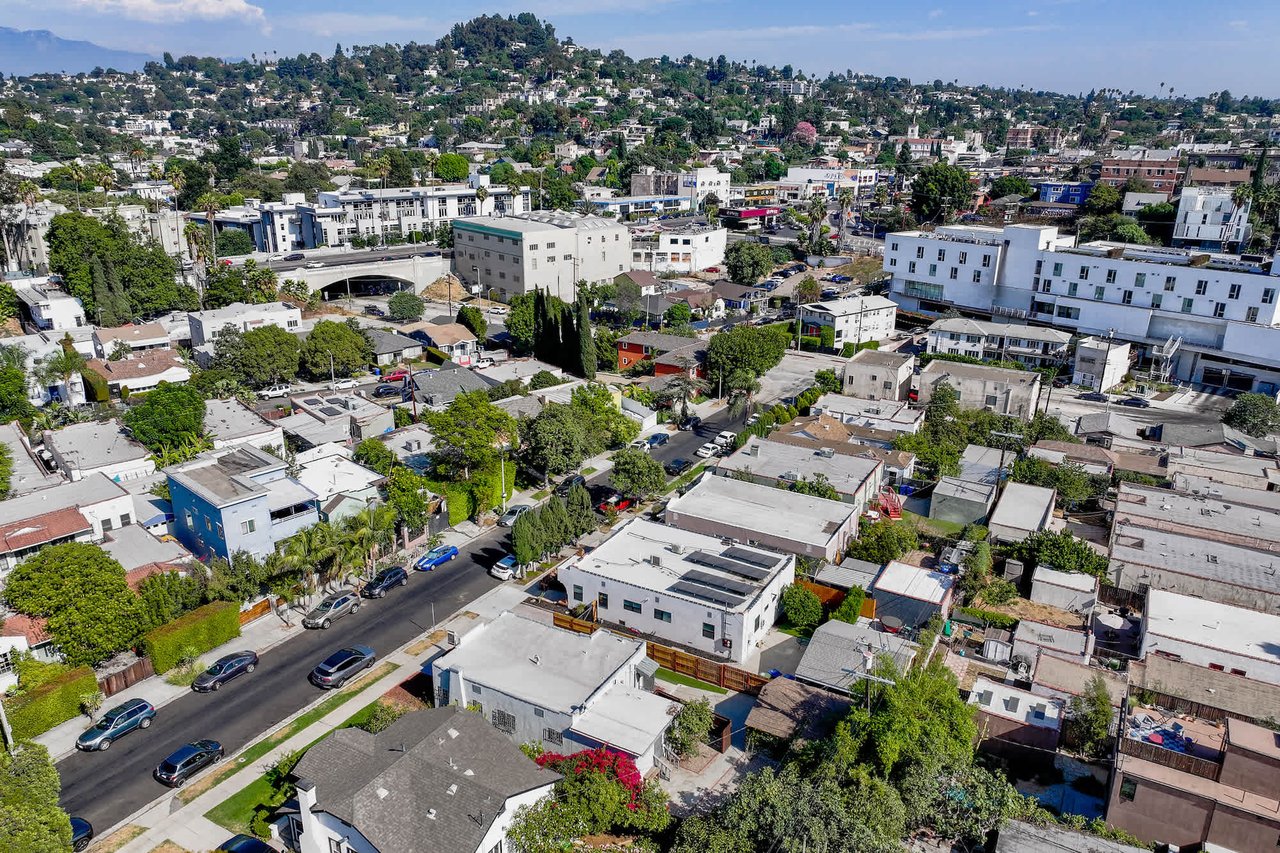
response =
{"points": [[551, 353], [586, 341], [101, 296], [120, 310]]}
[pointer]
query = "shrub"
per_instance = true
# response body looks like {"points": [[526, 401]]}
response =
{"points": [[851, 608], [690, 728], [382, 717], [52, 703], [801, 606], [999, 591], [991, 617], [200, 630]]}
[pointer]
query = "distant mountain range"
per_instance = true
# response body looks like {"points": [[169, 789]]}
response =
{"points": [[37, 51]]}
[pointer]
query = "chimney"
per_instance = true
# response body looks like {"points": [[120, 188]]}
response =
{"points": [[312, 838]]}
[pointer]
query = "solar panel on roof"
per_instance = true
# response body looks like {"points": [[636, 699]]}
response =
{"points": [[723, 599], [312, 401], [724, 564], [755, 558], [736, 587]]}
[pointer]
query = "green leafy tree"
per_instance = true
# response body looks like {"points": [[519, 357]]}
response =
{"points": [[31, 819], [335, 346], [690, 727], [807, 291], [850, 608], [582, 517], [473, 318], [165, 596], [636, 473], [1257, 415], [267, 355], [519, 322], [1011, 185], [92, 614], [375, 455], [1103, 199], [1089, 717], [938, 191], [1062, 551], [470, 434], [605, 424], [527, 543], [944, 404], [404, 306], [801, 606], [747, 263], [1113, 226], [818, 486], [8, 301], [170, 416], [753, 348], [884, 540], [555, 442], [233, 242], [828, 382], [407, 494], [679, 314], [452, 168]]}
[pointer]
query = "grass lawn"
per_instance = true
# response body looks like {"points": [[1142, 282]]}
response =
{"points": [[588, 471], [168, 846], [933, 526], [537, 496], [334, 700], [794, 630], [687, 680], [118, 839], [685, 479]]}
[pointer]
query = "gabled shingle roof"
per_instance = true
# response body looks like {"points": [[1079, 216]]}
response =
{"points": [[445, 762]]}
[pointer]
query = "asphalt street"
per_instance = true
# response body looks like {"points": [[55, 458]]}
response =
{"points": [[106, 787]]}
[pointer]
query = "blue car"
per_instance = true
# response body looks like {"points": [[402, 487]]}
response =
{"points": [[435, 557]]}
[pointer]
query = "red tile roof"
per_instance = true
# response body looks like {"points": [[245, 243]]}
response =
{"points": [[31, 627], [135, 577], [40, 529]]}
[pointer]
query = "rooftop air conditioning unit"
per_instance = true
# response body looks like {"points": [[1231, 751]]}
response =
{"points": [[451, 637]]}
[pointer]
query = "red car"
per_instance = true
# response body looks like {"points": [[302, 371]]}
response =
{"points": [[396, 375], [615, 503], [712, 269]]}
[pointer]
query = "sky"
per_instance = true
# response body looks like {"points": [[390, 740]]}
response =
{"points": [[1060, 45]]}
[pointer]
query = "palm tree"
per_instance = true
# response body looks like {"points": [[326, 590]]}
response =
{"points": [[817, 212], [367, 533], [742, 385], [77, 173], [380, 166], [194, 235], [313, 550], [57, 369], [211, 203], [430, 157], [178, 179], [845, 198], [1241, 195], [682, 387], [481, 195], [106, 178]]}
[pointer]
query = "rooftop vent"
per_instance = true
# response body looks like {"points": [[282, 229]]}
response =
{"points": [[431, 814]]}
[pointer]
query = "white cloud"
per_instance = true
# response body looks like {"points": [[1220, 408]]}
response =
{"points": [[178, 11], [935, 13], [394, 28]]}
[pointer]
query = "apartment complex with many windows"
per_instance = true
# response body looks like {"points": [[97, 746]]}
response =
{"points": [[1196, 316], [551, 250]]}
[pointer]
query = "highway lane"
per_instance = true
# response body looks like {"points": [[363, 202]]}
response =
{"points": [[106, 787]]}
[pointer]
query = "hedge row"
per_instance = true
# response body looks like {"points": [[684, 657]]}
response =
{"points": [[50, 704], [991, 617], [200, 630], [463, 501]]}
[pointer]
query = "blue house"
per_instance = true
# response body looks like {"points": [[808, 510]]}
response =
{"points": [[1064, 192], [237, 499]]}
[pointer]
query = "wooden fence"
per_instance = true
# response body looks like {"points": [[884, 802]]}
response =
{"points": [[720, 674], [570, 623], [259, 609], [828, 595], [1114, 596], [1201, 767], [112, 684]]}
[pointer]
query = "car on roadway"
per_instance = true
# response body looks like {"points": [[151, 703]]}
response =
{"points": [[244, 844], [615, 503], [726, 438], [677, 466], [1136, 402], [509, 517], [81, 833], [397, 375], [337, 668], [567, 484], [294, 256], [332, 607], [498, 310], [374, 311], [344, 384], [384, 391], [639, 444], [658, 439], [437, 556], [282, 389], [116, 723], [188, 760], [315, 265], [690, 423], [708, 450], [753, 419], [388, 578], [1093, 397], [224, 669], [505, 569]]}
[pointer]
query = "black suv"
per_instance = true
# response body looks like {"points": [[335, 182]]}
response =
{"points": [[189, 760], [385, 580], [567, 484], [690, 423], [676, 467]]}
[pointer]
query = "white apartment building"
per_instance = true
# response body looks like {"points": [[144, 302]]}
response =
{"points": [[1034, 346], [1209, 220], [551, 250], [338, 216], [855, 319], [1209, 634], [687, 249], [803, 88], [1199, 317], [46, 306], [1101, 364], [205, 325], [687, 588], [889, 415], [695, 184]]}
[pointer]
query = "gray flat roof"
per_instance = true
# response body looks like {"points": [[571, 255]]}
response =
{"points": [[133, 547], [1196, 557], [751, 506], [230, 420], [92, 444], [28, 475], [967, 326], [942, 367], [1022, 507], [1212, 625], [543, 665], [1206, 511], [848, 574], [788, 462], [93, 489]]}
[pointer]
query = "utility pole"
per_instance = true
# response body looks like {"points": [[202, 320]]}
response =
{"points": [[333, 379]]}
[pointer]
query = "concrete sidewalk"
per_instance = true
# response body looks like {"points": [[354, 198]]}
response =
{"points": [[259, 635], [167, 818]]}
